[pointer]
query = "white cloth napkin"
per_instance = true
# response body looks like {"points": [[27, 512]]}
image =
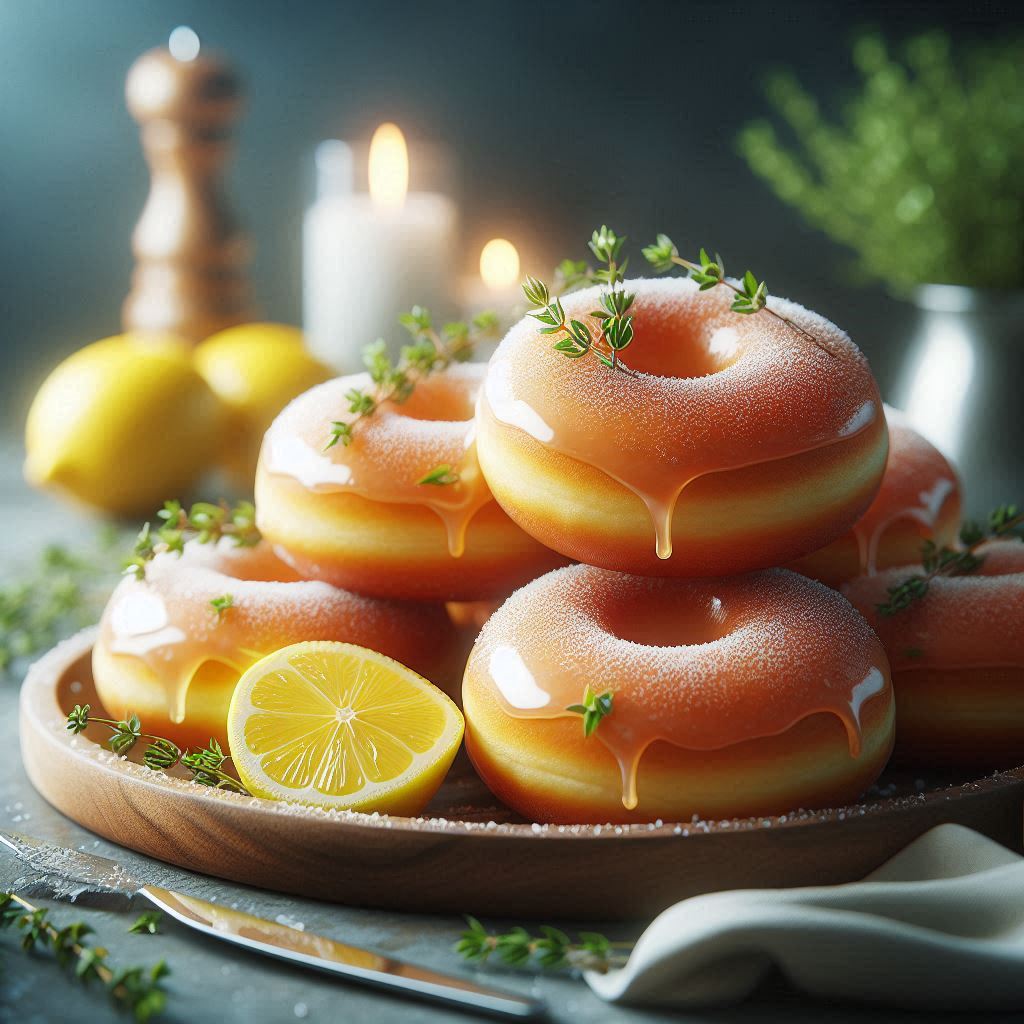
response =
{"points": [[941, 925]]}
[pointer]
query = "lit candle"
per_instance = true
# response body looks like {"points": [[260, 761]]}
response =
{"points": [[498, 288], [369, 257]]}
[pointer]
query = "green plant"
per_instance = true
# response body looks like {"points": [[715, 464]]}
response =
{"points": [[921, 174]]}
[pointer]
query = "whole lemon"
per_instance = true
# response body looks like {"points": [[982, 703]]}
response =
{"points": [[123, 424], [256, 369]]}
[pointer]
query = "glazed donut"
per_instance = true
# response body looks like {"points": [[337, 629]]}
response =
{"points": [[919, 500], [957, 658], [737, 696], [739, 443], [359, 517], [165, 653]]}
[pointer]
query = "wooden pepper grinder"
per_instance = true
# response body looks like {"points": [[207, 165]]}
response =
{"points": [[191, 257]]}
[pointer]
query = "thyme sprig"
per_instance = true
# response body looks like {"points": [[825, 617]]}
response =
{"points": [[204, 522], [750, 295], [432, 350], [222, 604], [63, 592], [147, 923], [594, 708], [442, 475], [138, 990], [574, 338], [1006, 521], [205, 764], [552, 949]]}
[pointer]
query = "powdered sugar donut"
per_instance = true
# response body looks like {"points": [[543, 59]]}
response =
{"points": [[168, 654], [957, 658], [744, 695], [361, 517], [919, 500], [739, 443]]}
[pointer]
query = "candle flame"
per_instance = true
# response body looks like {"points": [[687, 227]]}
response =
{"points": [[499, 264], [389, 166], [183, 44]]}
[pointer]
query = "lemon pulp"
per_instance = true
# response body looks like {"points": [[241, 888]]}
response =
{"points": [[335, 725]]}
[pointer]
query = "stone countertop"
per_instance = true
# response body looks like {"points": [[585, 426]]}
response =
{"points": [[212, 982]]}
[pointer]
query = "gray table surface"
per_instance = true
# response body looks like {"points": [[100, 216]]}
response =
{"points": [[210, 982]]}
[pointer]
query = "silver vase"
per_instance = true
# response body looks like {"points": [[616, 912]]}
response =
{"points": [[962, 386]]}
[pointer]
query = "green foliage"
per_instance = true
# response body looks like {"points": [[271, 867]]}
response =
{"points": [[594, 708], [137, 990], [221, 604], [205, 765], [921, 176], [552, 949], [431, 350], [1005, 522], [442, 475], [204, 523], [63, 592], [147, 923], [573, 338]]}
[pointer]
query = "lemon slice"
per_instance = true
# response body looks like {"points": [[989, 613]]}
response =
{"points": [[338, 726]]}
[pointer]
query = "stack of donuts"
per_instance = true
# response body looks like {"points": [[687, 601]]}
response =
{"points": [[676, 570]]}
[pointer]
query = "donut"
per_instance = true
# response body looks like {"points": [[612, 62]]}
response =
{"points": [[165, 653], [919, 500], [736, 696], [957, 657], [360, 517], [736, 443]]}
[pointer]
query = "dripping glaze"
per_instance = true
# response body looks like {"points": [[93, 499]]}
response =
{"points": [[711, 664], [736, 391], [393, 449]]}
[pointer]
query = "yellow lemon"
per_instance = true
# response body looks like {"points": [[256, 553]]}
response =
{"points": [[256, 369], [123, 424], [338, 726]]}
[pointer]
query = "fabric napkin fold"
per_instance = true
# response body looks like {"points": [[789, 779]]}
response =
{"points": [[940, 925]]}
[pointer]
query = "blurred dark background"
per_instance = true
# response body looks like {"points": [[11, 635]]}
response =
{"points": [[559, 116]]}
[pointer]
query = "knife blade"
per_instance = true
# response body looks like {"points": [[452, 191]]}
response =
{"points": [[270, 938]]}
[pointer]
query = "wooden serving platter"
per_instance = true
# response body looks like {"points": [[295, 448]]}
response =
{"points": [[466, 855]]}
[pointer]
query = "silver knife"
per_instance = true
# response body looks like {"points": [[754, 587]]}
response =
{"points": [[269, 938]]}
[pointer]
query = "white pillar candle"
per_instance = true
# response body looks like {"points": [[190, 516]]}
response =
{"points": [[368, 257]]}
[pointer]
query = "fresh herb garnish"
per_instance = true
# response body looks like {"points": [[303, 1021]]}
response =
{"points": [[64, 592], [138, 990], [440, 476], [206, 765], [1006, 521], [574, 338], [221, 604], [431, 350], [204, 522], [147, 923], [594, 708], [750, 295], [551, 950]]}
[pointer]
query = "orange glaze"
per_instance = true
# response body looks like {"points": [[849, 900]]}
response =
{"points": [[957, 657], [716, 397], [160, 636], [701, 665], [358, 516], [919, 500]]}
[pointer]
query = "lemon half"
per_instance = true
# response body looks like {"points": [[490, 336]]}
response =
{"points": [[338, 726]]}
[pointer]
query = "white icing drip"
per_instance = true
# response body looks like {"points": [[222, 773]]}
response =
{"points": [[513, 411], [859, 420], [289, 455], [872, 683], [514, 680], [138, 614]]}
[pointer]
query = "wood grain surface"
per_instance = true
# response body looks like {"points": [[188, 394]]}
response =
{"points": [[467, 854]]}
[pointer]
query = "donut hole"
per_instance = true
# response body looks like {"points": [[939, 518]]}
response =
{"points": [[679, 343], [665, 622], [440, 399]]}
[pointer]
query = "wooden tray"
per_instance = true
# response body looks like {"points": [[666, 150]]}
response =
{"points": [[468, 855]]}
